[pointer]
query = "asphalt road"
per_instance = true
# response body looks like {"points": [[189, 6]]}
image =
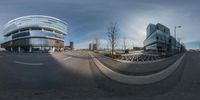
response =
{"points": [[73, 75]]}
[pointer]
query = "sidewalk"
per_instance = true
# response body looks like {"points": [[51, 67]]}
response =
{"points": [[138, 69]]}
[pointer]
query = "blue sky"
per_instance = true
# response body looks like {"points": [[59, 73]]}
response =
{"points": [[88, 19]]}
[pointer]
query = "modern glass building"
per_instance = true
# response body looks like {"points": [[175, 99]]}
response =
{"points": [[159, 41], [34, 33]]}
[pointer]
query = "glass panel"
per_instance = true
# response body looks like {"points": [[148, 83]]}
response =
{"points": [[38, 42], [46, 34], [22, 34]]}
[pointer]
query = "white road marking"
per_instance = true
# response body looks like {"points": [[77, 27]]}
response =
{"points": [[32, 56], [67, 58], [32, 64]]}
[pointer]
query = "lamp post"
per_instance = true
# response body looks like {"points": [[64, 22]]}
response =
{"points": [[175, 30], [175, 35]]}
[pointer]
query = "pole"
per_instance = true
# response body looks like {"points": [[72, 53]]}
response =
{"points": [[175, 32]]}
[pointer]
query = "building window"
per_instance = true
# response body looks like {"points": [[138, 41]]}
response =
{"points": [[18, 35], [157, 37]]}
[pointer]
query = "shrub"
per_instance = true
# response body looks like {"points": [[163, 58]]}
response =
{"points": [[115, 56]]}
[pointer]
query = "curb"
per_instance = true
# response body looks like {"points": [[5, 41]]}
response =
{"points": [[133, 79]]}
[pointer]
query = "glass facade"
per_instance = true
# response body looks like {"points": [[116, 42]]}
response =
{"points": [[150, 29], [34, 31], [37, 42], [159, 41], [35, 21], [151, 39], [22, 34]]}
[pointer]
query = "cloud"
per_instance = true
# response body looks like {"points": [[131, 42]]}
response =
{"points": [[82, 45], [90, 18]]}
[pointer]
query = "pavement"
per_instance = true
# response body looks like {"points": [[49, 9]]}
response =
{"points": [[137, 79], [74, 76], [139, 69]]}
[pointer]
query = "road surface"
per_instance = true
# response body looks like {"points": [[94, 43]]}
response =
{"points": [[73, 75]]}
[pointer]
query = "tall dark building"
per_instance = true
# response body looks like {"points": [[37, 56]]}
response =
{"points": [[94, 46], [71, 44], [90, 46]]}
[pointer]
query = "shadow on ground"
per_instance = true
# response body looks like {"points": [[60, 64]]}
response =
{"points": [[56, 80]]}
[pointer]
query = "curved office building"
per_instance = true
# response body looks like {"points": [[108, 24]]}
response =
{"points": [[34, 33]]}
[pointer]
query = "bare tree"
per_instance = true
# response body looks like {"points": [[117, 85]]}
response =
{"points": [[113, 36], [124, 42], [133, 44], [108, 44]]}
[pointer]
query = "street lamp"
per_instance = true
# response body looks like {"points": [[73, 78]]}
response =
{"points": [[175, 30], [175, 36]]}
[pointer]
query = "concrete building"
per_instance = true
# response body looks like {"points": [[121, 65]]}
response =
{"points": [[94, 46], [34, 33], [90, 46], [70, 46]]}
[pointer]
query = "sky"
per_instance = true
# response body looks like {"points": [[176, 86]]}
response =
{"points": [[90, 19]]}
